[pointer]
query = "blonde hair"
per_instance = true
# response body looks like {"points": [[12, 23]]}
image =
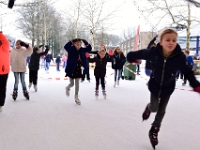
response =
{"points": [[102, 45], [167, 31]]}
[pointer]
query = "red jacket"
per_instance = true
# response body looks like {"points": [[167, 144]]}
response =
{"points": [[4, 55]]}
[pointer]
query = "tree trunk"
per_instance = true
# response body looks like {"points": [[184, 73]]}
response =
{"points": [[188, 29]]}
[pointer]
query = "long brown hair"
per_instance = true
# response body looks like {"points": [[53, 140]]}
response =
{"points": [[120, 53]]}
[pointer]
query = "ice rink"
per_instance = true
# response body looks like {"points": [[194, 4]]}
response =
{"points": [[52, 121]]}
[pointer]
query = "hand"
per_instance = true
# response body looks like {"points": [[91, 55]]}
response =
{"points": [[46, 47], [24, 44], [41, 46], [197, 89], [84, 41], [155, 37]]}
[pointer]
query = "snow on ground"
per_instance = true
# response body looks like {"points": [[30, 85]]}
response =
{"points": [[52, 121]]}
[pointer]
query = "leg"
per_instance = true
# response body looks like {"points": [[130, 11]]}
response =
{"points": [[97, 83], [3, 83], [115, 75], [76, 86], [88, 73], [103, 83], [83, 76], [30, 76], [16, 74], [35, 77], [71, 83]]}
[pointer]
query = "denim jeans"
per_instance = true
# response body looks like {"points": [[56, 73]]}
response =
{"points": [[58, 66], [22, 78], [47, 65], [118, 73]]}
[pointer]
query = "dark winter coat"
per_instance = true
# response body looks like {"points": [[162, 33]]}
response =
{"points": [[48, 58], [162, 81], [73, 55], [35, 59], [118, 62], [100, 65], [148, 62], [58, 60]]}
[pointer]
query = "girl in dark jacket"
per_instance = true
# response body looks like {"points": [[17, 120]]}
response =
{"points": [[100, 60], [167, 57], [76, 64], [34, 65], [117, 64]]}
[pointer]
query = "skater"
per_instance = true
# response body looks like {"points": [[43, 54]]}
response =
{"points": [[75, 64], [86, 71], [34, 65], [190, 62], [58, 61], [48, 58], [64, 60], [167, 57], [5, 67], [117, 64], [18, 66], [148, 68], [100, 69]]}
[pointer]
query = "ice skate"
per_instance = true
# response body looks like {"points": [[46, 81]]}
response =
{"points": [[97, 93], [146, 113], [14, 95], [118, 82], [67, 91], [153, 135], [184, 83], [29, 86], [26, 95], [104, 94], [77, 100], [35, 87], [114, 84]]}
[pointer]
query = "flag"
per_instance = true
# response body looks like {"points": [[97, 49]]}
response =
{"points": [[137, 39]]}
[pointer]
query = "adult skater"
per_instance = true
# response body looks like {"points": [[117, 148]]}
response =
{"points": [[34, 65], [4, 67], [167, 58], [100, 61], [75, 64], [117, 64], [18, 66]]}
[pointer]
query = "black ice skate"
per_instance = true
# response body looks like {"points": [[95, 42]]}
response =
{"points": [[146, 113], [14, 95], [26, 95], [97, 93], [104, 94], [153, 135]]}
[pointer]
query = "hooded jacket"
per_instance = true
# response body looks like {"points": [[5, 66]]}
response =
{"points": [[18, 59], [35, 59], [73, 55], [4, 55], [162, 81]]}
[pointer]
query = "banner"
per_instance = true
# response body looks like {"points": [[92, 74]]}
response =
{"points": [[137, 36]]}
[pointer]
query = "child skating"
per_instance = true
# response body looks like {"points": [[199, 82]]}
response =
{"points": [[34, 65], [100, 61], [75, 64], [167, 58]]}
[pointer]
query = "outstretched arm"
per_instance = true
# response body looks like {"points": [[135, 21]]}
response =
{"points": [[4, 42], [46, 51]]}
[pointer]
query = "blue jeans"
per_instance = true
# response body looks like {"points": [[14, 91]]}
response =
{"points": [[22, 78], [47, 65], [58, 66], [118, 72]]}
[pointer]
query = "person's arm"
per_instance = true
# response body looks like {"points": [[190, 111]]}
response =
{"points": [[45, 52], [133, 56], [93, 52], [151, 42], [68, 45], [4, 42], [189, 74]]}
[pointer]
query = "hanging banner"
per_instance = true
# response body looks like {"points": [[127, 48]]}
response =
{"points": [[137, 36]]}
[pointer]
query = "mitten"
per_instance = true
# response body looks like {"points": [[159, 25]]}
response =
{"points": [[46, 47], [24, 44], [87, 55], [84, 41], [111, 52], [197, 89]]}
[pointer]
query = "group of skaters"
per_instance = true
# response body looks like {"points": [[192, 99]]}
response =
{"points": [[163, 60]]}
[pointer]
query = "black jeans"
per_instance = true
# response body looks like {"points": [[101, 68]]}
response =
{"points": [[33, 76], [158, 105], [102, 83], [3, 84], [86, 72]]}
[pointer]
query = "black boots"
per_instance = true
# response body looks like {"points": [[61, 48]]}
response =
{"points": [[153, 135], [146, 113]]}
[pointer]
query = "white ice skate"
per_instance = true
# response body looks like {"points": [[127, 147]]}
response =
{"points": [[77, 100], [96, 93], [67, 91], [104, 94], [35, 87], [114, 84], [29, 86]]}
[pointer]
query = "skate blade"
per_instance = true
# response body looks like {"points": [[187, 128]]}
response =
{"points": [[154, 146]]}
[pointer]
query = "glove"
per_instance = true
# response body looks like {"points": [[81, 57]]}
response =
{"points": [[24, 44], [46, 47], [197, 89], [11, 3], [110, 52], [84, 41], [87, 55], [41, 46]]}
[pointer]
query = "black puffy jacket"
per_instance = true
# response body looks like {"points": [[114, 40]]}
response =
{"points": [[162, 81], [118, 61]]}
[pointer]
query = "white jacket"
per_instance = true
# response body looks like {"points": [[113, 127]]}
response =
{"points": [[18, 59]]}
